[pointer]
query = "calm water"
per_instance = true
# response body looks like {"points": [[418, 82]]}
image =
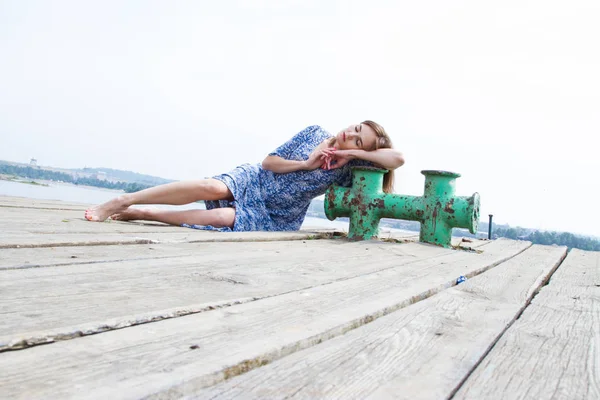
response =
{"points": [[57, 191], [88, 195]]}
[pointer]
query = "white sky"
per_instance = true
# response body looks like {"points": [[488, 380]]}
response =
{"points": [[505, 93]]}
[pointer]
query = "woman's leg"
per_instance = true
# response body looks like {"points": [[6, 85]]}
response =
{"points": [[176, 193], [218, 217]]}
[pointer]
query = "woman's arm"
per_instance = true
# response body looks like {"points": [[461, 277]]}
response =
{"points": [[282, 166], [386, 158]]}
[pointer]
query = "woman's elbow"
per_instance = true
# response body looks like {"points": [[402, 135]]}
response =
{"points": [[266, 164], [398, 160], [271, 163], [401, 160]]}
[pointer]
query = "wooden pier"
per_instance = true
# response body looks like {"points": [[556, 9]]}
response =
{"points": [[121, 310]]}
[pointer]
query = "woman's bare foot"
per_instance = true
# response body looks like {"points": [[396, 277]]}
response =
{"points": [[103, 211], [130, 214]]}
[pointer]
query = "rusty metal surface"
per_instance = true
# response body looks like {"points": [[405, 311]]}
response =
{"points": [[440, 173], [438, 210]]}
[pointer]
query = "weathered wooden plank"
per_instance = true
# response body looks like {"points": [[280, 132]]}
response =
{"points": [[44, 257], [22, 258], [173, 356], [553, 350], [186, 235], [18, 258], [31, 228], [43, 304], [420, 352], [26, 240], [16, 220], [18, 224]]}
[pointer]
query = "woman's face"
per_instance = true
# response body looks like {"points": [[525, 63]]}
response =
{"points": [[359, 136]]}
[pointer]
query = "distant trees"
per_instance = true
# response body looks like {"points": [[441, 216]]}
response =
{"points": [[547, 237], [127, 176], [127, 187], [37, 173], [34, 173]]}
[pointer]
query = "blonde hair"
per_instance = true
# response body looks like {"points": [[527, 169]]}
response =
{"points": [[383, 142]]}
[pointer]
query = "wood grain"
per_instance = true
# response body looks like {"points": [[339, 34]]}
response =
{"points": [[46, 304], [553, 350], [420, 352]]}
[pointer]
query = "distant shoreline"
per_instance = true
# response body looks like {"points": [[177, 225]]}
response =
{"points": [[25, 182], [47, 183]]}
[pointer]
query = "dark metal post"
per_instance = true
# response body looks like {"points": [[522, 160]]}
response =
{"points": [[490, 227]]}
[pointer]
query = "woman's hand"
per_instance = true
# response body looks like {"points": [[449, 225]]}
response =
{"points": [[315, 160], [334, 158]]}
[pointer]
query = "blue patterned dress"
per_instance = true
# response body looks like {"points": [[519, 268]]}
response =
{"points": [[267, 201]]}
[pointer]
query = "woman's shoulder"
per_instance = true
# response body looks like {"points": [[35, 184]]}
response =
{"points": [[314, 128], [317, 131], [312, 134]]}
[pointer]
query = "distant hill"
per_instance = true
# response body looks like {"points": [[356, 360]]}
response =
{"points": [[111, 174], [126, 176], [108, 178]]}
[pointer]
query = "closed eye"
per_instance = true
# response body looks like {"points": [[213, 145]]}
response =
{"points": [[358, 129]]}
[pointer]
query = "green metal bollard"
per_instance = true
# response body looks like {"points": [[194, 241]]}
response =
{"points": [[438, 210]]}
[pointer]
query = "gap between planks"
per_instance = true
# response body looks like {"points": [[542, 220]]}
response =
{"points": [[216, 239], [544, 281], [553, 349]]}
